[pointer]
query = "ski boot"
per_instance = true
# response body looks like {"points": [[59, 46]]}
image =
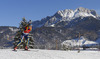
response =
{"points": [[26, 48], [15, 48]]}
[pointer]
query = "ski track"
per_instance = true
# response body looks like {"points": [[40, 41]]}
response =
{"points": [[48, 54]]}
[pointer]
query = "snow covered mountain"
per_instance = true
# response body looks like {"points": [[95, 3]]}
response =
{"points": [[65, 24], [65, 16], [70, 14]]}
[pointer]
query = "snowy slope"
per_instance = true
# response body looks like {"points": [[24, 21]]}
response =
{"points": [[48, 54], [76, 42]]}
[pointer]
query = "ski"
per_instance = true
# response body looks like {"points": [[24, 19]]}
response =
{"points": [[14, 50], [26, 50]]}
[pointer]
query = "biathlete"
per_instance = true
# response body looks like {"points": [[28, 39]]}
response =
{"points": [[24, 36]]}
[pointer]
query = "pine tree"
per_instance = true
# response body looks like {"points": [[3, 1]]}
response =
{"points": [[17, 37]]}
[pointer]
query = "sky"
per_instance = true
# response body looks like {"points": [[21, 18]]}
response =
{"points": [[12, 11]]}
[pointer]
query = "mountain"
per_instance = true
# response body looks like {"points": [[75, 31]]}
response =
{"points": [[49, 37], [7, 34], [66, 25], [64, 17]]}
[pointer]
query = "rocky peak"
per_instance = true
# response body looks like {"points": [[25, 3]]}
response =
{"points": [[81, 9], [65, 13], [68, 13]]}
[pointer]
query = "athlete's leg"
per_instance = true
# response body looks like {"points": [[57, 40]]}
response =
{"points": [[27, 41], [20, 41], [27, 38]]}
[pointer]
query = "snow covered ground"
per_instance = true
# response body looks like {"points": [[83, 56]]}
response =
{"points": [[48, 54]]}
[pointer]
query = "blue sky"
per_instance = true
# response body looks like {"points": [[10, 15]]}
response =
{"points": [[12, 11]]}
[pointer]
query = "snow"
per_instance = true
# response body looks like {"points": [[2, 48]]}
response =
{"points": [[53, 25], [72, 14], [66, 13], [90, 43], [76, 42], [48, 54], [12, 29], [83, 12]]}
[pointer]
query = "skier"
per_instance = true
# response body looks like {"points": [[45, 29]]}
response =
{"points": [[25, 35]]}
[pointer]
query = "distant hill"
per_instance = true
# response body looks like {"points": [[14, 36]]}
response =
{"points": [[7, 34]]}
